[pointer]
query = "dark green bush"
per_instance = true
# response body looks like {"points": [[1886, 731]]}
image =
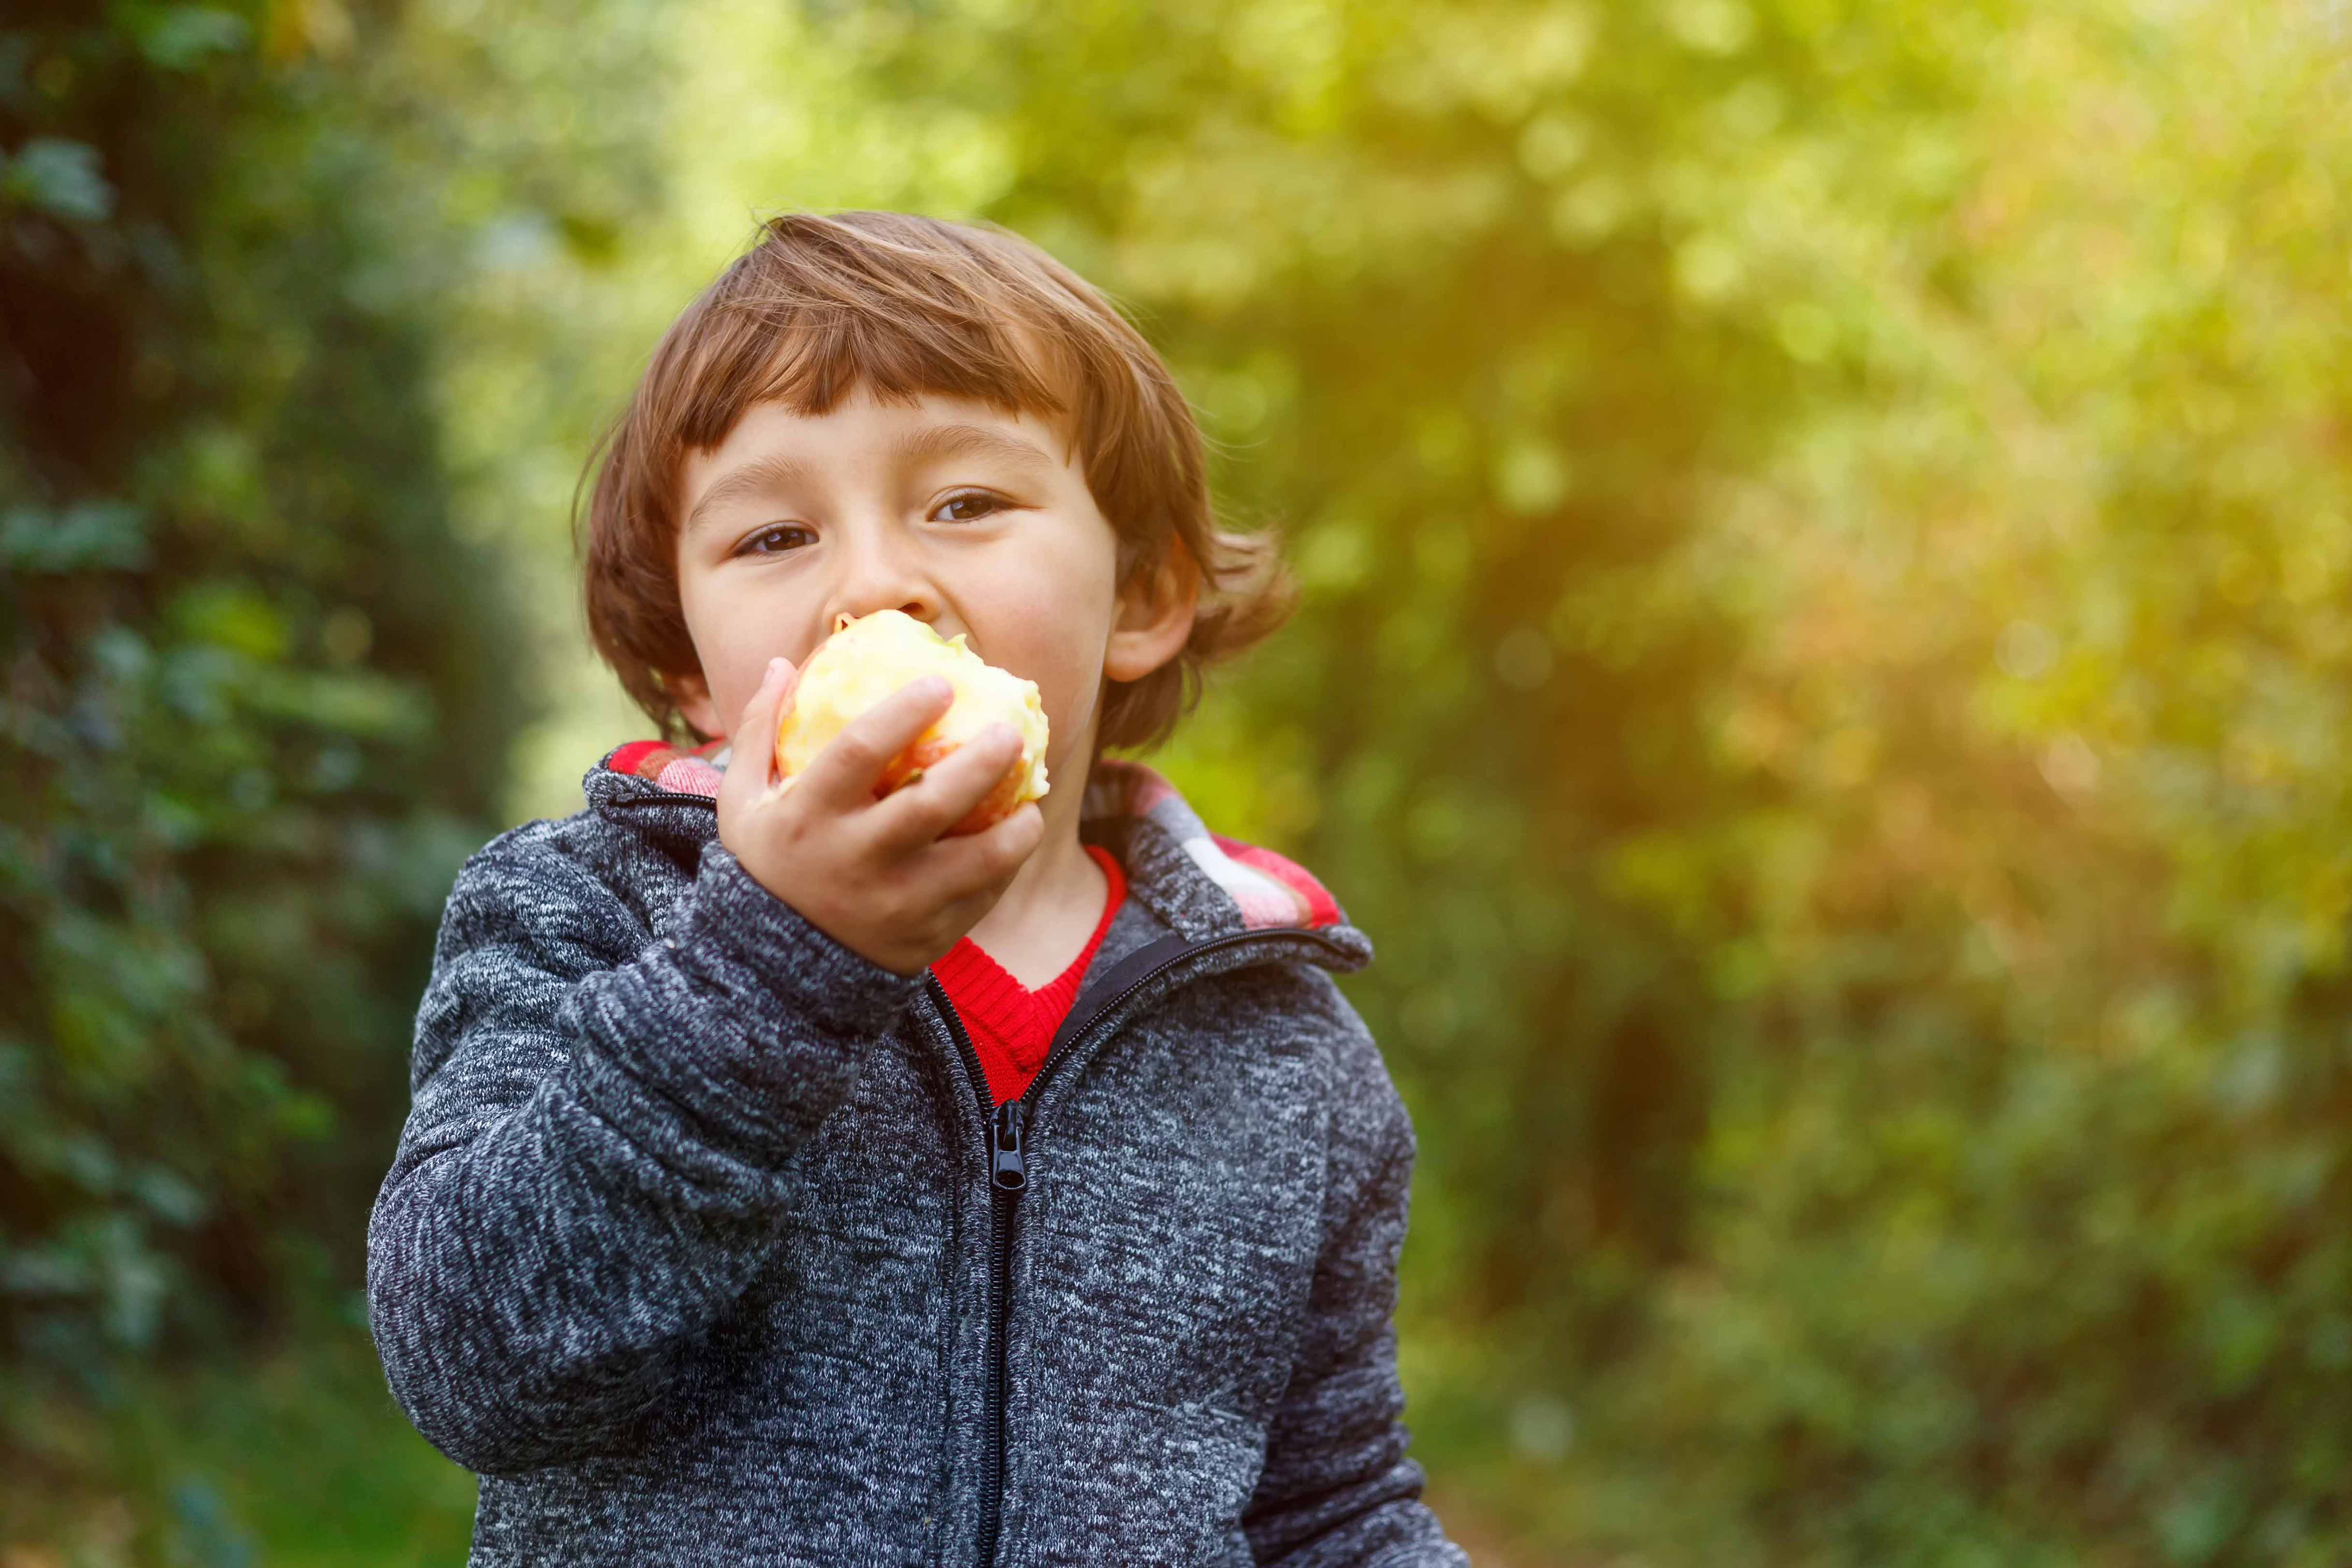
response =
{"points": [[252, 693]]}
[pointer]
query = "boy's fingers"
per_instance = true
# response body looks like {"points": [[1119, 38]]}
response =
{"points": [[843, 773], [988, 859], [913, 815]]}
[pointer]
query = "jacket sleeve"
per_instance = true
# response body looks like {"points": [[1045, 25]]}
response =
{"points": [[1336, 1487], [600, 1126]]}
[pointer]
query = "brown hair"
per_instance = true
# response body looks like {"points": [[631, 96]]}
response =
{"points": [[909, 305]]}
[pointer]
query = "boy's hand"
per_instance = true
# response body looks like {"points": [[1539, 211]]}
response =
{"points": [[875, 875]]}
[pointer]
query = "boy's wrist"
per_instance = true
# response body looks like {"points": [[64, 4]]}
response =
{"points": [[738, 922]]}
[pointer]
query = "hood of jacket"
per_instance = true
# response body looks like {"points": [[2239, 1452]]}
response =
{"points": [[1204, 885]]}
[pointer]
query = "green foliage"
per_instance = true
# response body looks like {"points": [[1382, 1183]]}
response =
{"points": [[1826, 533], [254, 694], [296, 1458]]}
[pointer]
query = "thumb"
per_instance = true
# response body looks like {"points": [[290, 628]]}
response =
{"points": [[752, 750]]}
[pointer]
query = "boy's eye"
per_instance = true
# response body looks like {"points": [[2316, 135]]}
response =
{"points": [[978, 504], [748, 546]]}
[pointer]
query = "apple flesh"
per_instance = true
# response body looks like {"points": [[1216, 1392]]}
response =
{"points": [[867, 659]]}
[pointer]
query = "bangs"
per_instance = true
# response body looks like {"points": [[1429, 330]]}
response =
{"points": [[805, 337]]}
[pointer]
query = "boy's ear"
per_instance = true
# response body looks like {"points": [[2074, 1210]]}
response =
{"points": [[1155, 616], [692, 695]]}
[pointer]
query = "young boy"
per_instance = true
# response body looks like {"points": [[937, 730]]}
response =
{"points": [[788, 1183]]}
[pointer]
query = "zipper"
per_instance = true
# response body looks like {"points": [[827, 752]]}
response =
{"points": [[666, 798], [1008, 1127], [1008, 1179]]}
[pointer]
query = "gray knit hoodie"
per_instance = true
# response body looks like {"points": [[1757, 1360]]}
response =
{"points": [[703, 1245]]}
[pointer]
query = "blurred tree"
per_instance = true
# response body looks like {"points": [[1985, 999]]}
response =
{"points": [[256, 693], [2030, 1125]]}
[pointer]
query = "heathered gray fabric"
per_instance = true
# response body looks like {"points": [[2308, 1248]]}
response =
{"points": [[685, 1248]]}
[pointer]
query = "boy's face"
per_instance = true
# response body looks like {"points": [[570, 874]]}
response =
{"points": [[965, 517]]}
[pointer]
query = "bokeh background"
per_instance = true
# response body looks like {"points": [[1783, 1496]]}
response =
{"points": [[1824, 671]]}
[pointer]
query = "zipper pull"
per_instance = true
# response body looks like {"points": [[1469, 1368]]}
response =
{"points": [[1012, 1173]]}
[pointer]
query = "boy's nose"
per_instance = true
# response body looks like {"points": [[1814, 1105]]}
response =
{"points": [[874, 571]]}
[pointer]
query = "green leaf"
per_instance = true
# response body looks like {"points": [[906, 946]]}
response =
{"points": [[89, 536], [58, 177], [232, 616], [182, 38]]}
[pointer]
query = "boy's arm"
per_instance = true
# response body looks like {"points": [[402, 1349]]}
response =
{"points": [[595, 1145], [1336, 1487]]}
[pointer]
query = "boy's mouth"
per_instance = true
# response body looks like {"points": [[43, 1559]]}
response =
{"points": [[842, 618]]}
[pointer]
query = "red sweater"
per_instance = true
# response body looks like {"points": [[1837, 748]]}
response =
{"points": [[1012, 1026]]}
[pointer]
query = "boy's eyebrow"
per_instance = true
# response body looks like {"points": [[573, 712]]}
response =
{"points": [[934, 441], [756, 478], [929, 444]]}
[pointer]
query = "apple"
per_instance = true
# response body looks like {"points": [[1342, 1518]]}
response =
{"points": [[868, 658]]}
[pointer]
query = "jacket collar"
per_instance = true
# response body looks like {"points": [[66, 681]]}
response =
{"points": [[1204, 885]]}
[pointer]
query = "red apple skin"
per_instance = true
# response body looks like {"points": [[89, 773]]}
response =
{"points": [[993, 807]]}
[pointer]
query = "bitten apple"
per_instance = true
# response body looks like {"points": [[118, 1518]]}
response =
{"points": [[867, 659]]}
